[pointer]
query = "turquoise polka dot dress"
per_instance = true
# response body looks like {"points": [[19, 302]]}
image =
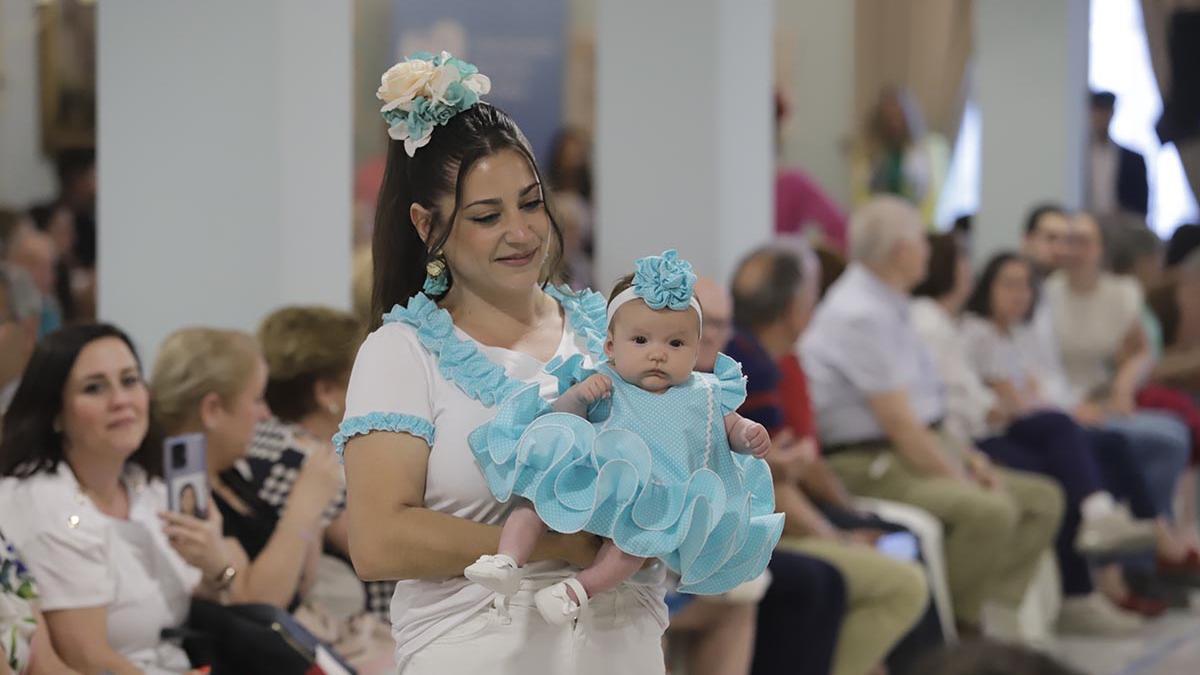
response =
{"points": [[652, 472]]}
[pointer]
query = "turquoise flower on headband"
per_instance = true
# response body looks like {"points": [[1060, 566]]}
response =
{"points": [[425, 91], [664, 281]]}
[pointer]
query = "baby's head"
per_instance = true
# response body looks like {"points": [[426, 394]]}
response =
{"points": [[654, 349]]}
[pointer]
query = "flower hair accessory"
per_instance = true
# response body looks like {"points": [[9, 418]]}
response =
{"points": [[425, 91], [661, 281]]}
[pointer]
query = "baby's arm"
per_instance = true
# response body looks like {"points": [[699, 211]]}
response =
{"points": [[578, 397], [747, 437]]}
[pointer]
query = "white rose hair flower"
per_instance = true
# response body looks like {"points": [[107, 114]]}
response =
{"points": [[425, 91]]}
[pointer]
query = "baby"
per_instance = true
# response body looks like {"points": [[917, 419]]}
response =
{"points": [[683, 423]]}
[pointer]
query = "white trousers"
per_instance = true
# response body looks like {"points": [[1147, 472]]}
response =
{"points": [[615, 634]]}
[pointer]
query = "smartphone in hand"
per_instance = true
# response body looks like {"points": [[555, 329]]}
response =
{"points": [[186, 472]]}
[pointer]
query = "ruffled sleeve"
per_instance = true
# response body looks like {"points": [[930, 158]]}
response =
{"points": [[389, 388], [731, 384]]}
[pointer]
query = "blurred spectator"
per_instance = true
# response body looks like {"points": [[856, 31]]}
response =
{"points": [[20, 306], [77, 195], [35, 252], [799, 200], [573, 216], [807, 596], [1184, 240], [570, 178], [571, 163], [212, 382], [877, 399], [773, 297], [1044, 241], [896, 155], [82, 502], [58, 222], [1028, 437], [1116, 175]]}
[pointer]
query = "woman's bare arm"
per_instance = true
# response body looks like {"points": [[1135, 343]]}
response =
{"points": [[392, 535]]}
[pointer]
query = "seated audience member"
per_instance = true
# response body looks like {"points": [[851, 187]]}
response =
{"points": [[18, 330], [800, 202], [59, 222], [1184, 241], [1055, 243], [1029, 438], [212, 381], [35, 252], [1008, 352], [82, 503], [879, 405], [1176, 305], [806, 595], [1096, 318], [1134, 250], [772, 301]]}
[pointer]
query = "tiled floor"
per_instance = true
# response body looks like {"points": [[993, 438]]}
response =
{"points": [[1167, 646]]}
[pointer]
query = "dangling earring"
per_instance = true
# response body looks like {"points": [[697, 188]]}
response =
{"points": [[437, 280]]}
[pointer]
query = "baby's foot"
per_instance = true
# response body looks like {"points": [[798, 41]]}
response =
{"points": [[498, 573], [562, 602]]}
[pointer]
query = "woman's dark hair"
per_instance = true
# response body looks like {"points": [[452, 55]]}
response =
{"points": [[1184, 240], [980, 302], [29, 443], [1161, 299], [944, 250], [437, 169], [1036, 213]]}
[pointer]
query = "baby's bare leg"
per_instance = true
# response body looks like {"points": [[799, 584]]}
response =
{"points": [[608, 570], [521, 532]]}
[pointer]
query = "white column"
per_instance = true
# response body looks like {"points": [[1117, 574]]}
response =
{"points": [[684, 150], [1031, 82], [224, 161], [26, 175]]}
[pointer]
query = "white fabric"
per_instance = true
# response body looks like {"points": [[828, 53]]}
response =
{"points": [[1102, 197], [394, 373], [126, 566], [612, 636], [1091, 327], [629, 295], [968, 398], [1028, 355]]}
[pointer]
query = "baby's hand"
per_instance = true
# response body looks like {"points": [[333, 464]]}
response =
{"points": [[593, 389], [752, 438]]}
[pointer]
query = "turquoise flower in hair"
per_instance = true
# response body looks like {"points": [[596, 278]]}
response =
{"points": [[664, 281]]}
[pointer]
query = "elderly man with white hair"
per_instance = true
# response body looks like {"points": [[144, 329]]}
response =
{"points": [[879, 403]]}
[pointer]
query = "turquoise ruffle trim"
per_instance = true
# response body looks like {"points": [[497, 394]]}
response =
{"points": [[381, 421]]}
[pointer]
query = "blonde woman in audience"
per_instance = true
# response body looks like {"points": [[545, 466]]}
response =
{"points": [[212, 382], [81, 501]]}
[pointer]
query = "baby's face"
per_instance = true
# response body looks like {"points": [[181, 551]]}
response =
{"points": [[653, 349]]}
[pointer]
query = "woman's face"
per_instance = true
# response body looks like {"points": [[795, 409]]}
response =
{"points": [[1012, 293], [501, 236], [232, 428], [105, 402]]}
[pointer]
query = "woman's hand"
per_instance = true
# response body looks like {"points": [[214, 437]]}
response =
{"points": [[199, 542], [319, 483]]}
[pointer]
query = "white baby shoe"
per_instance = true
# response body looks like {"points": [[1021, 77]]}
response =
{"points": [[556, 605], [498, 573]]}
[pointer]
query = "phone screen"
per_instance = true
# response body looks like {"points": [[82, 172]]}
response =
{"points": [[186, 471]]}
